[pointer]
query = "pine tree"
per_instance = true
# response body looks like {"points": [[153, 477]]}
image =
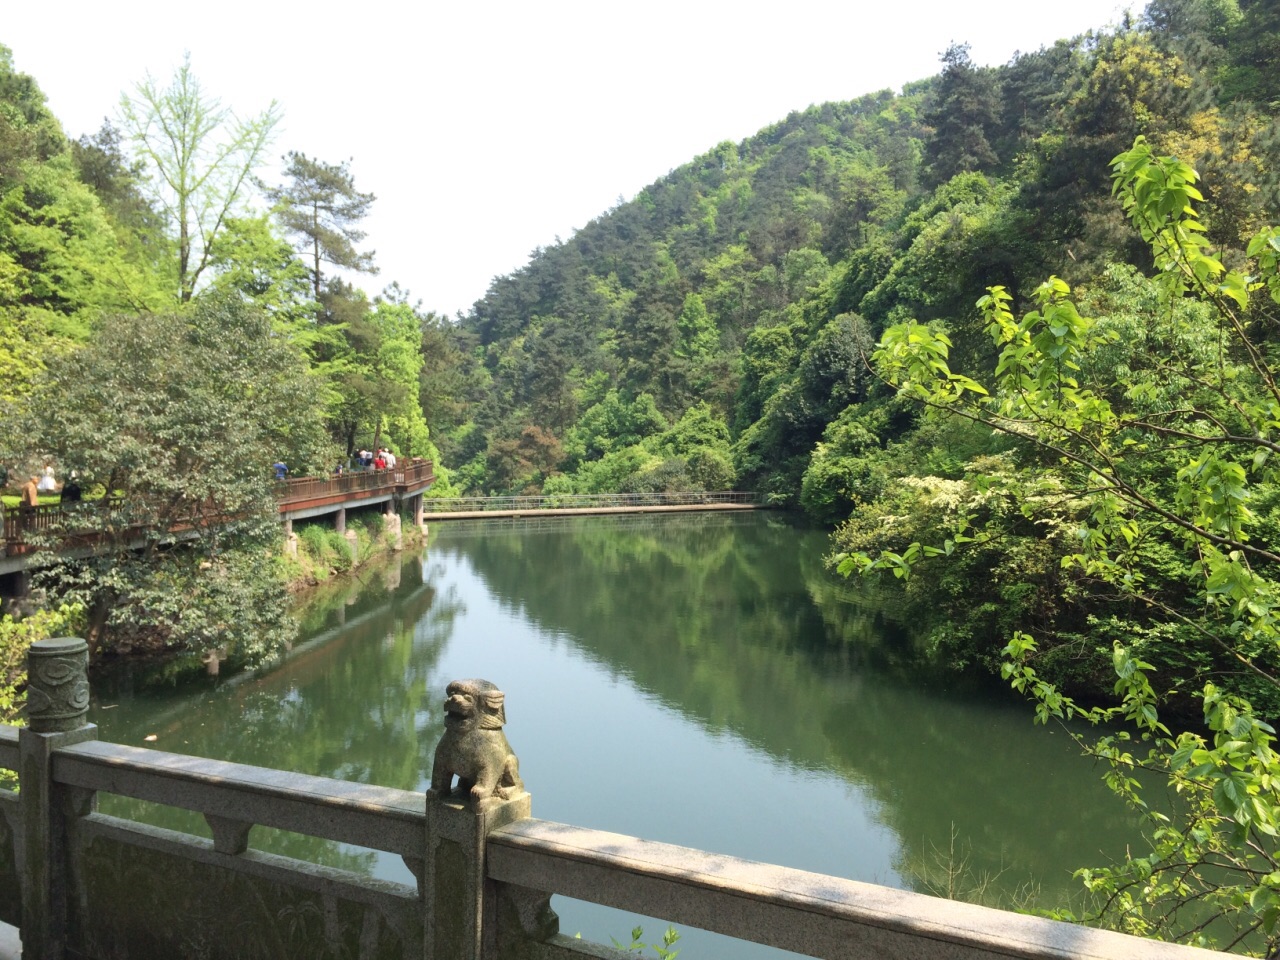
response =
{"points": [[965, 106], [320, 208]]}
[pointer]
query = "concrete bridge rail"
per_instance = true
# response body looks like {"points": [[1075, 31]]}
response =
{"points": [[81, 884]]}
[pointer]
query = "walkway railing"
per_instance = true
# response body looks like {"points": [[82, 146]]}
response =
{"points": [[582, 501], [414, 474], [22, 522], [18, 524], [79, 883]]}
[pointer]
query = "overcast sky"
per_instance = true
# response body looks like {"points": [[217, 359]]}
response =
{"points": [[489, 129]]}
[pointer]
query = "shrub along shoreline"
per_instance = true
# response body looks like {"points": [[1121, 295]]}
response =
{"points": [[324, 553], [323, 556]]}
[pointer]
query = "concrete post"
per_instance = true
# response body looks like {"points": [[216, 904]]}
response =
{"points": [[418, 513], [340, 524], [459, 902], [391, 521], [57, 702], [290, 538]]}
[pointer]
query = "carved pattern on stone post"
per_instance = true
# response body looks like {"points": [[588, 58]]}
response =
{"points": [[57, 685]]}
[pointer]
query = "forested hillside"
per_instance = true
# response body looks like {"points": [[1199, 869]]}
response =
{"points": [[1009, 332], [714, 332], [136, 218], [1012, 332], [711, 332]]}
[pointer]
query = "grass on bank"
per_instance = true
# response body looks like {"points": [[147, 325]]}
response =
{"points": [[324, 553]]}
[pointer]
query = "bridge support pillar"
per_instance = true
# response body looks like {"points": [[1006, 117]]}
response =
{"points": [[340, 524], [415, 504], [290, 538]]}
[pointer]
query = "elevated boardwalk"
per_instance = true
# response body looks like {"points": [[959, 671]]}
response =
{"points": [[317, 496], [298, 499], [568, 505]]}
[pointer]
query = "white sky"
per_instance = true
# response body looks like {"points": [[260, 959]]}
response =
{"points": [[488, 129]]}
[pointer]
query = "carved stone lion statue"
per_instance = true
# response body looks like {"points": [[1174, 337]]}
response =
{"points": [[474, 748]]}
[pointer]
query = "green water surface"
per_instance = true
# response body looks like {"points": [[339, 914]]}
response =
{"points": [[697, 679]]}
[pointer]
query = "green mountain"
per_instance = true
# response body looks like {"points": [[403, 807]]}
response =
{"points": [[711, 331]]}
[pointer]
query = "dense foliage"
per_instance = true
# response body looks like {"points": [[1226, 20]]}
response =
{"points": [[162, 341], [1099, 478], [1145, 460], [170, 418], [1102, 479]]}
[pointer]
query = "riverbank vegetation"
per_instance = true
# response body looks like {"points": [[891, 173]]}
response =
{"points": [[1152, 492], [323, 553]]}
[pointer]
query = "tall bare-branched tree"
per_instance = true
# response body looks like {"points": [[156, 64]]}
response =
{"points": [[200, 158]]}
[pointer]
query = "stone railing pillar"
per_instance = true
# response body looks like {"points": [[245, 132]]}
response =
{"points": [[57, 703], [459, 901], [461, 906]]}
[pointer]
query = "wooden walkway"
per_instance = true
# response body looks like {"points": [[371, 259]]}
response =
{"points": [[308, 497], [296, 500], [301, 496], [568, 505]]}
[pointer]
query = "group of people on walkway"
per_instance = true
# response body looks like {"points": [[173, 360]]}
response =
{"points": [[380, 459], [41, 482]]}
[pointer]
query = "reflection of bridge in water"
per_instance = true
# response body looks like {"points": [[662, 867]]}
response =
{"points": [[534, 523], [299, 499]]}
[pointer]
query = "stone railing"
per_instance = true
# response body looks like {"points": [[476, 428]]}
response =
{"points": [[78, 883]]}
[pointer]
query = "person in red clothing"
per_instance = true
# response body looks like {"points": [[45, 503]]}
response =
{"points": [[379, 462]]}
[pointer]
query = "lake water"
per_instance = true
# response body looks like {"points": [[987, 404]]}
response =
{"points": [[695, 679]]}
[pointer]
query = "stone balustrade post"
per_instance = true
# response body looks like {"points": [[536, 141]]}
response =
{"points": [[462, 908], [459, 901], [57, 703]]}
